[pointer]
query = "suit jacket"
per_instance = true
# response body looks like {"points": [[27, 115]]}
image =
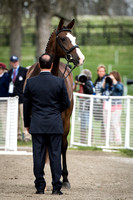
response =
{"points": [[19, 83], [45, 96]]}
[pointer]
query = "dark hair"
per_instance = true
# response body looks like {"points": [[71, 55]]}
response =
{"points": [[116, 75], [45, 61]]}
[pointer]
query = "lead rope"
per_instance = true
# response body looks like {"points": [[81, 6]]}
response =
{"points": [[70, 72], [65, 69]]}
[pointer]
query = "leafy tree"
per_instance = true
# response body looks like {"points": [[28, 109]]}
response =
{"points": [[12, 10], [43, 11]]}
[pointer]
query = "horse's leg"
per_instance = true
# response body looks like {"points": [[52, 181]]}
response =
{"points": [[66, 183], [66, 124]]}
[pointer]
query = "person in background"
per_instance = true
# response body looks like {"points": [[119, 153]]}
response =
{"points": [[46, 97], [85, 87], [17, 78], [4, 81], [84, 83], [113, 86], [101, 74], [4, 85], [98, 103]]}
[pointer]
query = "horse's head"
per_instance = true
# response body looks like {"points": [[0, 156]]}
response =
{"points": [[66, 46]]}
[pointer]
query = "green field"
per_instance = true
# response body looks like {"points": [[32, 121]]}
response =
{"points": [[118, 58]]}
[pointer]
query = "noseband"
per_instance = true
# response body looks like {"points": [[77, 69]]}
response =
{"points": [[67, 52]]}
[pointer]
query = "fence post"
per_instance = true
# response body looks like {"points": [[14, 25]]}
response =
{"points": [[7, 126], [116, 57], [127, 124], [109, 69], [125, 85], [73, 119], [12, 124], [108, 122], [90, 120]]}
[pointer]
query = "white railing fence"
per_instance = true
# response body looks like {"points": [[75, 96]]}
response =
{"points": [[100, 121], [105, 122], [8, 123]]}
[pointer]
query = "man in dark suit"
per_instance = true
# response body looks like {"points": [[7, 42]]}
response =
{"points": [[17, 77], [45, 97]]}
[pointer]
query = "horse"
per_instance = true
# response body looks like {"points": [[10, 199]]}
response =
{"points": [[61, 44]]}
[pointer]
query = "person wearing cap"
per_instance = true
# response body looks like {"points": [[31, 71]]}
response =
{"points": [[17, 78]]}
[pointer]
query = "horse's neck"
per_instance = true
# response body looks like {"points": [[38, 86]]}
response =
{"points": [[51, 49], [55, 70]]}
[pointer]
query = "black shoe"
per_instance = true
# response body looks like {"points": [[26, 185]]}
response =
{"points": [[58, 192], [39, 192]]}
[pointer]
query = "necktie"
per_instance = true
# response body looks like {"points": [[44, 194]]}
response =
{"points": [[14, 75]]}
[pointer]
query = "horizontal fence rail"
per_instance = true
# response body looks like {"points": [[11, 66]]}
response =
{"points": [[106, 34], [105, 122], [8, 123]]}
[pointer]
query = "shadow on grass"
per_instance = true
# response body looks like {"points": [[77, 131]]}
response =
{"points": [[23, 143], [85, 148], [122, 152], [126, 152]]}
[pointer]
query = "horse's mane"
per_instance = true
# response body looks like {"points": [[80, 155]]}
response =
{"points": [[48, 43]]}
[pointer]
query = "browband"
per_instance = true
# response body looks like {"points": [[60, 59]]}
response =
{"points": [[64, 29]]}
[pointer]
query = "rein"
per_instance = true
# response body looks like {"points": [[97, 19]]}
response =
{"points": [[67, 52], [70, 70], [66, 69]]}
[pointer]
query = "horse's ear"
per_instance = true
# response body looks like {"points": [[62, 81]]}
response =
{"points": [[60, 26], [70, 25]]}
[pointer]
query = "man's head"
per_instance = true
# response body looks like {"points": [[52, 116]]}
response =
{"points": [[45, 61], [14, 61]]}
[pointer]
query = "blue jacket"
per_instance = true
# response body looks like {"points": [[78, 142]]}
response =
{"points": [[114, 90], [45, 97], [4, 85]]}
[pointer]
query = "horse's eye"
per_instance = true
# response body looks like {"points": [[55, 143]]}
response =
{"points": [[63, 39]]}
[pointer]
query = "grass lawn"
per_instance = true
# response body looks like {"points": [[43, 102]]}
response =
{"points": [[113, 57], [116, 57]]}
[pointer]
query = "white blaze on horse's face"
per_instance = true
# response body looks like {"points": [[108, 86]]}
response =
{"points": [[80, 55]]}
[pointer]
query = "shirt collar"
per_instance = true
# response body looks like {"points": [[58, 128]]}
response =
{"points": [[1, 74], [45, 71], [16, 68]]}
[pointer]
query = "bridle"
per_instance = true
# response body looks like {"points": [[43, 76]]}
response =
{"points": [[67, 52]]}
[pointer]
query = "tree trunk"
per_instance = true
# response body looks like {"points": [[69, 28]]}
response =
{"points": [[43, 24], [102, 7], [15, 36]]}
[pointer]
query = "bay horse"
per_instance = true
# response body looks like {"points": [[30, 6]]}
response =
{"points": [[61, 44]]}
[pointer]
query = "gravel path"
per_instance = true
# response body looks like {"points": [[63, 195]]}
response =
{"points": [[93, 176]]}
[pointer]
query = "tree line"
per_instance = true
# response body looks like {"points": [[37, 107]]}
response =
{"points": [[42, 11]]}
